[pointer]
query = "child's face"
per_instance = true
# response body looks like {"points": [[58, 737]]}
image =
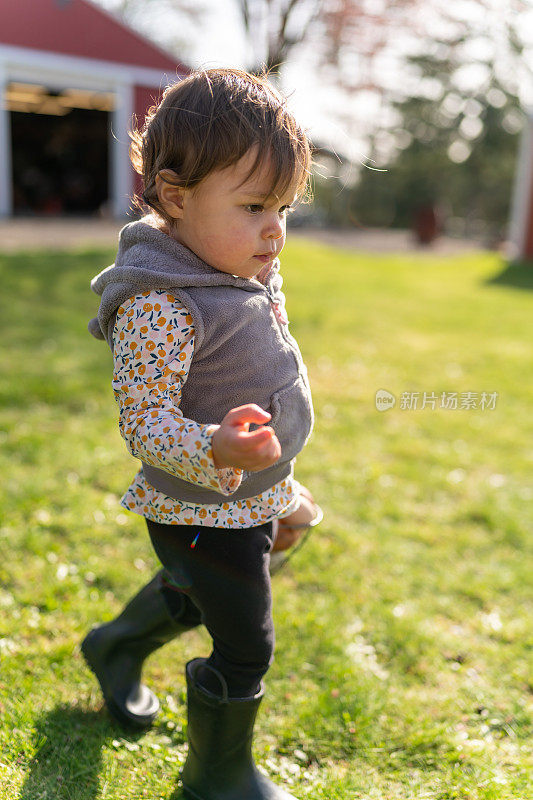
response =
{"points": [[231, 226]]}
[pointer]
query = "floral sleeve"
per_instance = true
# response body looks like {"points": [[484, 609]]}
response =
{"points": [[153, 349]]}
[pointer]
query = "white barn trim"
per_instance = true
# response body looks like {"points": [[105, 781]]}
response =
{"points": [[521, 218], [57, 72]]}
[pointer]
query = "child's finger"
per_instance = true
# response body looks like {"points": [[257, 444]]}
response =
{"points": [[264, 432], [267, 447], [262, 458], [242, 416], [252, 440]]}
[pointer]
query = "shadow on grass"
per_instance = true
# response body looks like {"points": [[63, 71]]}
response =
{"points": [[517, 274], [68, 760]]}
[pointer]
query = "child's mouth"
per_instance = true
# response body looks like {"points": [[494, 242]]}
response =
{"points": [[266, 257]]}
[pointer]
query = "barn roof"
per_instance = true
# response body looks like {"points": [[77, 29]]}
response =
{"points": [[79, 28]]}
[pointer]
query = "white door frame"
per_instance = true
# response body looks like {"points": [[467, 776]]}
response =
{"points": [[520, 216], [6, 187], [59, 72]]}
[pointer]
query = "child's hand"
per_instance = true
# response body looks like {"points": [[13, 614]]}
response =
{"points": [[234, 445]]}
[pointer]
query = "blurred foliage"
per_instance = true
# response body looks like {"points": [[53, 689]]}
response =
{"points": [[445, 141], [453, 151]]}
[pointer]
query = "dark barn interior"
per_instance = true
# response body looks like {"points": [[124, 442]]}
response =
{"points": [[60, 160]]}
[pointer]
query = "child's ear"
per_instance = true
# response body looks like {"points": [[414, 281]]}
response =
{"points": [[170, 196]]}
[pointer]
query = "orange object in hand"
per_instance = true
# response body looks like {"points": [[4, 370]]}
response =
{"points": [[291, 528]]}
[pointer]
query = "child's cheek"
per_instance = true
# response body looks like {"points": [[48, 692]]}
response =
{"points": [[236, 239]]}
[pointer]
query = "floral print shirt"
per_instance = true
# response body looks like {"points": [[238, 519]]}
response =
{"points": [[153, 349]]}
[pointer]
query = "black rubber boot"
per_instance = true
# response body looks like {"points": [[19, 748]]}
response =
{"points": [[115, 652], [219, 763]]}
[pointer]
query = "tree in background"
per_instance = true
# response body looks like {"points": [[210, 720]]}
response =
{"points": [[450, 139], [346, 35], [456, 155], [437, 138]]}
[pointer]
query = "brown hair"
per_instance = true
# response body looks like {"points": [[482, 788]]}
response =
{"points": [[207, 122]]}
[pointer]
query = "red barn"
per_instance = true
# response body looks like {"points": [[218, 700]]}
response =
{"points": [[71, 79]]}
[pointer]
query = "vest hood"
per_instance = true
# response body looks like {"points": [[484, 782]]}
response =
{"points": [[150, 258]]}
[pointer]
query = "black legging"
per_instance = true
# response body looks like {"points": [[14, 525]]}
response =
{"points": [[226, 576]]}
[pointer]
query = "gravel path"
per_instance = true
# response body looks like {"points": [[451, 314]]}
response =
{"points": [[61, 234], [383, 240], [36, 233]]}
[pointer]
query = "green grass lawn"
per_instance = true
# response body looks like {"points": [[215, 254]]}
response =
{"points": [[403, 659]]}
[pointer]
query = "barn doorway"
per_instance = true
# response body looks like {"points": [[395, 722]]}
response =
{"points": [[60, 150]]}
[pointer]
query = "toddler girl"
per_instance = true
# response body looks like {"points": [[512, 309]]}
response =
{"points": [[215, 402]]}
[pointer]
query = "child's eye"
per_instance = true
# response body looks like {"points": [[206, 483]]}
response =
{"points": [[256, 208]]}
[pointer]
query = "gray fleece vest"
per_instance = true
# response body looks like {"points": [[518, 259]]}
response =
{"points": [[243, 350]]}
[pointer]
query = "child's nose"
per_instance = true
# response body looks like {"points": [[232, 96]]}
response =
{"points": [[274, 228]]}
